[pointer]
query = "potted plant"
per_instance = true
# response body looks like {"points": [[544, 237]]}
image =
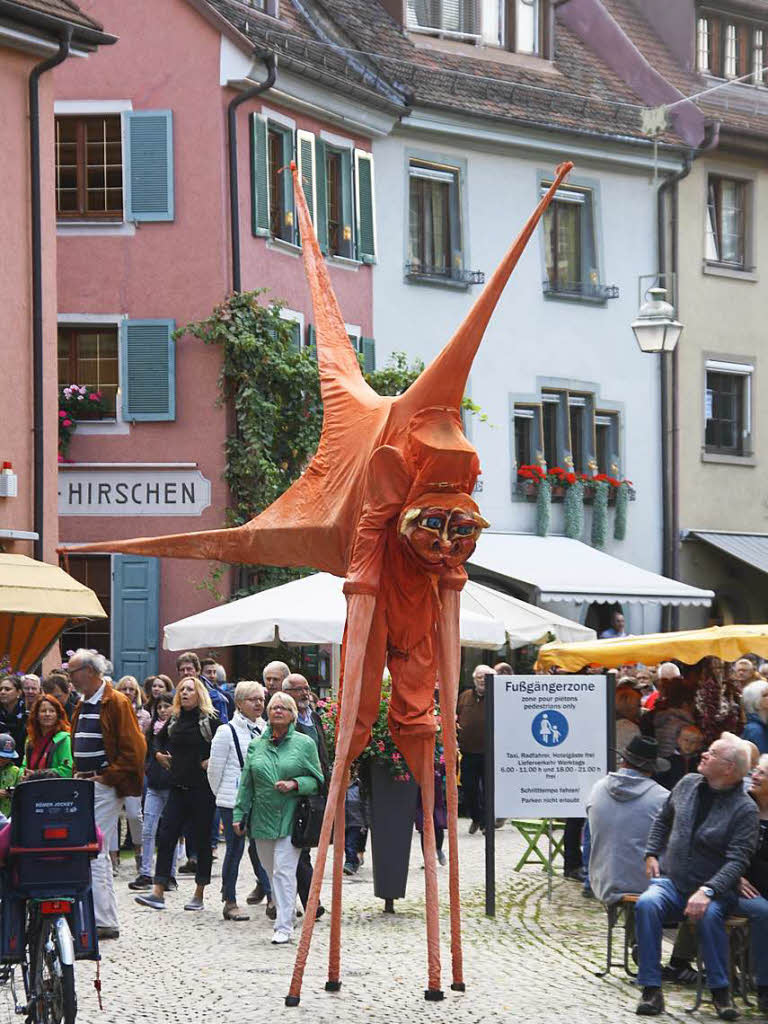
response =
{"points": [[77, 402]]}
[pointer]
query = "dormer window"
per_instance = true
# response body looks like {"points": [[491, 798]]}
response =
{"points": [[729, 48], [517, 25]]}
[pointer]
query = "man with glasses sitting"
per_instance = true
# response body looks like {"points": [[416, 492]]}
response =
{"points": [[707, 831], [309, 723]]}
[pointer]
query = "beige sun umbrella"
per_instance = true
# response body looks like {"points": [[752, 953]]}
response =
{"points": [[37, 602]]}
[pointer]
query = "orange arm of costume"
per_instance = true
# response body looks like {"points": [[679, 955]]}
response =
{"points": [[386, 487]]}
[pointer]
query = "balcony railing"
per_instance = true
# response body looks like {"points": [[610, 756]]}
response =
{"points": [[581, 289], [414, 269]]}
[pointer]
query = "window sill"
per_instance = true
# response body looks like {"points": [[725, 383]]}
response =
{"points": [[482, 51], [280, 245], [581, 300], [721, 270], [729, 460], [100, 428], [438, 282], [344, 262], [66, 228]]}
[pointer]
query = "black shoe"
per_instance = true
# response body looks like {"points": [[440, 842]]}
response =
{"points": [[172, 886], [190, 868], [271, 911], [651, 1002], [141, 883], [577, 874], [350, 868], [721, 997], [108, 933], [762, 998], [320, 912], [474, 827]]}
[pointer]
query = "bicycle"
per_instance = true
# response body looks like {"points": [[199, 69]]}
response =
{"points": [[46, 919]]}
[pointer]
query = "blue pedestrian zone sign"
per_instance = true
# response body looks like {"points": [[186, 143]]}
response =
{"points": [[549, 728]]}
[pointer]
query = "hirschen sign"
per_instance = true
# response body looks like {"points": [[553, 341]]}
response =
{"points": [[550, 744], [129, 491]]}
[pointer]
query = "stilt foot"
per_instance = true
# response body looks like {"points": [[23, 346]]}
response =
{"points": [[433, 995], [292, 1000], [458, 986], [333, 986]]}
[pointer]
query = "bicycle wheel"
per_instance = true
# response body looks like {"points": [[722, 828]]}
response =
{"points": [[56, 1002]]}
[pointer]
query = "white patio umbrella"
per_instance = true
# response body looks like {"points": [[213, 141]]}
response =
{"points": [[524, 623], [306, 611]]}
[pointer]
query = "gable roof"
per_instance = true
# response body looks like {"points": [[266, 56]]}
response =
{"points": [[52, 16]]}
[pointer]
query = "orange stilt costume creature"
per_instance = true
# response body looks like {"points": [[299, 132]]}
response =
{"points": [[385, 503]]}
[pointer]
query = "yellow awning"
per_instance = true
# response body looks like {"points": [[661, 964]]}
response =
{"points": [[689, 646], [37, 601]]}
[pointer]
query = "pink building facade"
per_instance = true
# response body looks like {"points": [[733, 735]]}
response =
{"points": [[29, 37], [144, 247]]}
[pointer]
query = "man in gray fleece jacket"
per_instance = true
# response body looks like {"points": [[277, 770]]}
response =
{"points": [[707, 830]]}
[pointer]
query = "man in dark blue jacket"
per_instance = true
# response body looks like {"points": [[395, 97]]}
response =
{"points": [[707, 830]]}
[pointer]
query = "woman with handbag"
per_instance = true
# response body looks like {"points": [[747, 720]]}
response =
{"points": [[228, 752], [184, 746], [281, 767]]}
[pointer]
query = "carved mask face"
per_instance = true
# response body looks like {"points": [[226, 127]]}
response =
{"points": [[441, 538]]}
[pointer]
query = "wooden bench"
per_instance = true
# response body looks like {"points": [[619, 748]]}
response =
{"points": [[739, 963]]}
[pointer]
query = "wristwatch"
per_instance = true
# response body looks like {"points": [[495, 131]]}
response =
{"points": [[707, 890]]}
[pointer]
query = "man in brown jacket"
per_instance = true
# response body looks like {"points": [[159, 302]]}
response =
{"points": [[109, 748], [470, 721]]}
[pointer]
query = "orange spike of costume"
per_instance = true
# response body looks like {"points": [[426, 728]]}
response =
{"points": [[385, 502]]}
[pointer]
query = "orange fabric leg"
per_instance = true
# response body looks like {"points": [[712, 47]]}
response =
{"points": [[360, 611], [432, 909], [334, 946], [449, 660]]}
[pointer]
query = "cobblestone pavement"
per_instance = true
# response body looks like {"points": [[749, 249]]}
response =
{"points": [[534, 962]]}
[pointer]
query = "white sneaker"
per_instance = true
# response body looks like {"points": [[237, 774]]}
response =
{"points": [[280, 938]]}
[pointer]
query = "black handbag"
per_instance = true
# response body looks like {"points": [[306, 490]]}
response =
{"points": [[308, 822]]}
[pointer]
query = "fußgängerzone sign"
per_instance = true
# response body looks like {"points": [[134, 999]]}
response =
{"points": [[550, 744]]}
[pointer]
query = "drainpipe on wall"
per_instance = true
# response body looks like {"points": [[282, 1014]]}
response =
{"points": [[670, 436], [234, 199], [37, 284]]}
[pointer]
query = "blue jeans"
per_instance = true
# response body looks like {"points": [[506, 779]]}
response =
{"points": [[154, 804], [663, 902], [757, 911], [232, 858]]}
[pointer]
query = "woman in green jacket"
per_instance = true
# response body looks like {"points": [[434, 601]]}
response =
{"points": [[281, 766], [48, 746]]}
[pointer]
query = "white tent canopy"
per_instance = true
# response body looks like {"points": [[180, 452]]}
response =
{"points": [[312, 610], [560, 569]]}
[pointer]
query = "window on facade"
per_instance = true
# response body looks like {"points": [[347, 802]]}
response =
{"points": [[726, 201], [606, 441], [550, 415], [727, 412], [279, 154], [730, 48], [577, 423], [703, 44], [333, 185], [730, 63], [95, 572], [515, 24], [758, 57], [569, 245], [527, 432], [89, 355], [434, 227], [450, 17], [528, 26], [89, 167]]}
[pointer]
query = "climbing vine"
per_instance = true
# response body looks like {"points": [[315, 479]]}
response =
{"points": [[273, 389]]}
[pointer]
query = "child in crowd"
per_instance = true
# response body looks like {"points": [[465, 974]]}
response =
{"points": [[9, 772]]}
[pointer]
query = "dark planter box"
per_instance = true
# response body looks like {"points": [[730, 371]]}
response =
{"points": [[393, 806]]}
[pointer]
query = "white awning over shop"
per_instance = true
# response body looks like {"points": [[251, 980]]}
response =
{"points": [[555, 569], [750, 548]]}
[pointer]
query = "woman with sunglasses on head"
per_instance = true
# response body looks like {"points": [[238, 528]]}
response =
{"points": [[183, 748], [48, 745]]}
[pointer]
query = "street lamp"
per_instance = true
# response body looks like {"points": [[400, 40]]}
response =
{"points": [[655, 327]]}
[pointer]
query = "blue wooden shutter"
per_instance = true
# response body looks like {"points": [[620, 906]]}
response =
{"points": [[369, 354], [365, 208], [149, 165], [347, 206], [135, 616], [148, 363], [305, 163], [259, 176]]}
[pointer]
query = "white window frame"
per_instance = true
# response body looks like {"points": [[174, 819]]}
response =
{"points": [[729, 51], [702, 44], [758, 71], [295, 317], [355, 331], [85, 108], [116, 426]]}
